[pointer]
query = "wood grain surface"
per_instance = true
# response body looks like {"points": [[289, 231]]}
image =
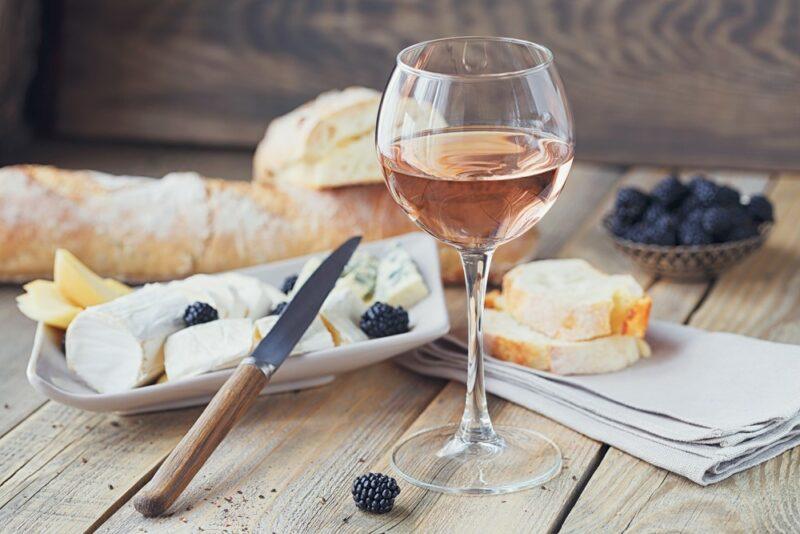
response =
{"points": [[230, 404], [689, 82]]}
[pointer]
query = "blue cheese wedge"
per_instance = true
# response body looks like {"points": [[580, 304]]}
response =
{"points": [[317, 337], [399, 282], [360, 274], [207, 347]]}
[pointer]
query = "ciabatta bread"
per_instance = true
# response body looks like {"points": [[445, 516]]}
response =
{"points": [[571, 300], [328, 142], [141, 229], [507, 339]]}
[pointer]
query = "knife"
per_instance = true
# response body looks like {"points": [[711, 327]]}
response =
{"points": [[240, 390]]}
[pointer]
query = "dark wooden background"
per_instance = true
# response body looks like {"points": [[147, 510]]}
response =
{"points": [[684, 82]]}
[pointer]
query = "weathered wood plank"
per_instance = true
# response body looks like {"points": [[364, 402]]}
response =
{"points": [[757, 298], [274, 445], [17, 398], [674, 80]]}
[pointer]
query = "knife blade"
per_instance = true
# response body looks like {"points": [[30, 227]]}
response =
{"points": [[301, 310], [239, 392]]}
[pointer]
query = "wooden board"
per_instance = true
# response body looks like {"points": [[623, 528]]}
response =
{"points": [[705, 82]]}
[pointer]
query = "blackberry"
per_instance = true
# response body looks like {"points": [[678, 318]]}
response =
{"points": [[726, 197], [630, 204], [618, 225], [639, 233], [375, 492], [717, 222], [382, 320], [199, 313], [277, 310], [689, 204], [703, 190], [691, 231], [760, 208], [664, 231], [288, 283], [655, 212], [669, 192], [743, 231]]}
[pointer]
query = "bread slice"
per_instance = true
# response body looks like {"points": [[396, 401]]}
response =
{"points": [[507, 339], [571, 300], [327, 142]]}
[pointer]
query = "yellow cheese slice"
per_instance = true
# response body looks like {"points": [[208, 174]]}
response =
{"points": [[80, 284], [43, 302]]}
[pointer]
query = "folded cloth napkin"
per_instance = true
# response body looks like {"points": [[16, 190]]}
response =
{"points": [[705, 405]]}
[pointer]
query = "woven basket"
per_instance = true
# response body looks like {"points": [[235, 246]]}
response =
{"points": [[689, 262]]}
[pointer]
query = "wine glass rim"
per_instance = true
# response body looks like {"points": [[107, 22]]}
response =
{"points": [[548, 59]]}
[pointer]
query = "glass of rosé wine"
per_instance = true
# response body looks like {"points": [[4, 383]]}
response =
{"points": [[475, 140]]}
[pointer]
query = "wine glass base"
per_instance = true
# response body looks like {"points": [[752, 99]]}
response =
{"points": [[437, 460]]}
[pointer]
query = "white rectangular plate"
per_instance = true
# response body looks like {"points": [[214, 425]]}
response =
{"points": [[48, 373]]}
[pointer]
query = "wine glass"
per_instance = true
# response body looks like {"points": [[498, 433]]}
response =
{"points": [[474, 137]]}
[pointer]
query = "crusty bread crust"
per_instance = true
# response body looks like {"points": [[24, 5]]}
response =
{"points": [[140, 229]]}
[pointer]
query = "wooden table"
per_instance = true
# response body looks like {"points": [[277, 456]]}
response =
{"points": [[288, 465]]}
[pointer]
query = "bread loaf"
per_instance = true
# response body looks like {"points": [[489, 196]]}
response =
{"points": [[328, 142], [140, 229]]}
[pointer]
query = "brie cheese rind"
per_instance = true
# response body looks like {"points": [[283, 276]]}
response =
{"points": [[315, 338], [399, 282], [276, 295], [252, 292], [306, 271], [207, 347], [216, 291], [118, 345], [340, 312]]}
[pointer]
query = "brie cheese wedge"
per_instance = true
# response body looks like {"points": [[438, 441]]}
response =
{"points": [[315, 338], [252, 292], [118, 345], [207, 347], [399, 282], [305, 272], [341, 312], [276, 295], [214, 291]]}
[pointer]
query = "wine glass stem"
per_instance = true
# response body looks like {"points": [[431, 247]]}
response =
{"points": [[476, 426]]}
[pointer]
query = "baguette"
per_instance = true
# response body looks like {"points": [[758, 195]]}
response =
{"points": [[573, 301], [509, 340], [140, 229], [327, 142]]}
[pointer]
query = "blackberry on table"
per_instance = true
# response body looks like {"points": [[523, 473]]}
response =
{"points": [[375, 492], [631, 204], [199, 313], [382, 320], [760, 208], [288, 283], [669, 192], [277, 310]]}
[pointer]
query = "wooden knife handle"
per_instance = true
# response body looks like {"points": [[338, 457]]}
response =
{"points": [[225, 409]]}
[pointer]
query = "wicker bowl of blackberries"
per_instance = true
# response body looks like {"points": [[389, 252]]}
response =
{"points": [[688, 229]]}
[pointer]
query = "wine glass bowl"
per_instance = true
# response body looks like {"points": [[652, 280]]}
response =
{"points": [[475, 140]]}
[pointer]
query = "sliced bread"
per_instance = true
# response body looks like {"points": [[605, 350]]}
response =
{"points": [[507, 339], [571, 300]]}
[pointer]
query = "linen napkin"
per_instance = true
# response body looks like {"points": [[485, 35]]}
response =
{"points": [[705, 405]]}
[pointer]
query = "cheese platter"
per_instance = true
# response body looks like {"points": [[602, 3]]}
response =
{"points": [[197, 360]]}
